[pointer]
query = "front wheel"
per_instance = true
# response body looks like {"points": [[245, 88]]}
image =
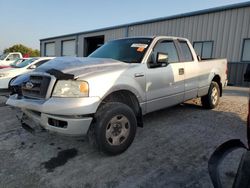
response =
{"points": [[114, 127], [211, 100]]}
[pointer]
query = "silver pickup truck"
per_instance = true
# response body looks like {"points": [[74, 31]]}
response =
{"points": [[106, 94]]}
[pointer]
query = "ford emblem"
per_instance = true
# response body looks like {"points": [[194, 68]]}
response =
{"points": [[29, 85]]}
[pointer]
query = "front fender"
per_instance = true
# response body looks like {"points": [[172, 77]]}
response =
{"points": [[102, 86], [131, 86]]}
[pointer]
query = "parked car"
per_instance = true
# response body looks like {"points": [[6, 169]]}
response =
{"points": [[7, 59], [17, 61], [7, 74], [242, 177], [106, 94], [4, 66]]}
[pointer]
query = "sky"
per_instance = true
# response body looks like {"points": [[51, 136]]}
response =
{"points": [[27, 21]]}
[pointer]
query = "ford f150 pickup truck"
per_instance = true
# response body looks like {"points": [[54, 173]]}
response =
{"points": [[106, 94]]}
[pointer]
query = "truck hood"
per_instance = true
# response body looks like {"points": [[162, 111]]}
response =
{"points": [[79, 66]]}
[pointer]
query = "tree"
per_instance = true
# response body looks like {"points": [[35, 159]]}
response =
{"points": [[23, 50]]}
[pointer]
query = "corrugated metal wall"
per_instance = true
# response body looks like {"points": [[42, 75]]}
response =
{"points": [[236, 74], [227, 29], [108, 35]]}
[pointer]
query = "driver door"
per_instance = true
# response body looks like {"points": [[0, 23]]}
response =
{"points": [[165, 84]]}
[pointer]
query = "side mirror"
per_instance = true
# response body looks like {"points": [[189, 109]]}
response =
{"points": [[162, 58], [32, 67], [160, 61], [7, 59]]}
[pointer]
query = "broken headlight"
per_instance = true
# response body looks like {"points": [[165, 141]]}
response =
{"points": [[71, 88]]}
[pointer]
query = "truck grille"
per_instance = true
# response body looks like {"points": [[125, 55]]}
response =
{"points": [[36, 87]]}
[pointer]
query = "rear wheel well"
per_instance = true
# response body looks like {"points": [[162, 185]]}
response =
{"points": [[128, 98], [218, 81]]}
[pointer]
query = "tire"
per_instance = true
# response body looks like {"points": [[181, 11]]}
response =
{"points": [[12, 79], [114, 128], [211, 100]]}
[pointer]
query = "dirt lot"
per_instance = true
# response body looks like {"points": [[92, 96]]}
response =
{"points": [[171, 150]]}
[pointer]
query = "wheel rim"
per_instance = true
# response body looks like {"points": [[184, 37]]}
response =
{"points": [[214, 95], [117, 130]]}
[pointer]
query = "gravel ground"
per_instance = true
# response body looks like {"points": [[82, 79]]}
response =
{"points": [[171, 150]]}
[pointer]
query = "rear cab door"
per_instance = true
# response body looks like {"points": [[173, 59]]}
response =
{"points": [[191, 68], [165, 84]]}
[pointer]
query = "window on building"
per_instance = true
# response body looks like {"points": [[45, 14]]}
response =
{"points": [[246, 50], [187, 55], [69, 48], [204, 49], [50, 49], [167, 47]]}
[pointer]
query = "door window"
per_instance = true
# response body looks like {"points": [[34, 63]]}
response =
{"points": [[186, 53], [167, 47], [13, 57], [39, 63]]}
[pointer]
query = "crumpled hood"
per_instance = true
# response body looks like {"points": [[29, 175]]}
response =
{"points": [[80, 66]]}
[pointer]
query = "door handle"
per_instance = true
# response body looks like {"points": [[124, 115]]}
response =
{"points": [[181, 71], [139, 74]]}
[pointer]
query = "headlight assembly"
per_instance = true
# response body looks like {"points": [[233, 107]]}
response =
{"points": [[71, 88]]}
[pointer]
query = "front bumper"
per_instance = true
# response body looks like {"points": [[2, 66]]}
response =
{"points": [[75, 126], [72, 115]]}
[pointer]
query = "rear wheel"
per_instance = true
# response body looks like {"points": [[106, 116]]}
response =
{"points": [[211, 100], [114, 127]]}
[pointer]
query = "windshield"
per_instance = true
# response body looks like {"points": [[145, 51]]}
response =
{"points": [[2, 57], [25, 63], [16, 62], [126, 50]]}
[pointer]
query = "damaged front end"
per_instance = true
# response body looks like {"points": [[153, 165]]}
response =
{"points": [[34, 87], [35, 95]]}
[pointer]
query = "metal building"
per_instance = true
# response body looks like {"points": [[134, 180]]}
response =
{"points": [[222, 32]]}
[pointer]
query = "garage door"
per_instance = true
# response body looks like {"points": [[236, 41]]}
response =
{"points": [[50, 49], [69, 48]]}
